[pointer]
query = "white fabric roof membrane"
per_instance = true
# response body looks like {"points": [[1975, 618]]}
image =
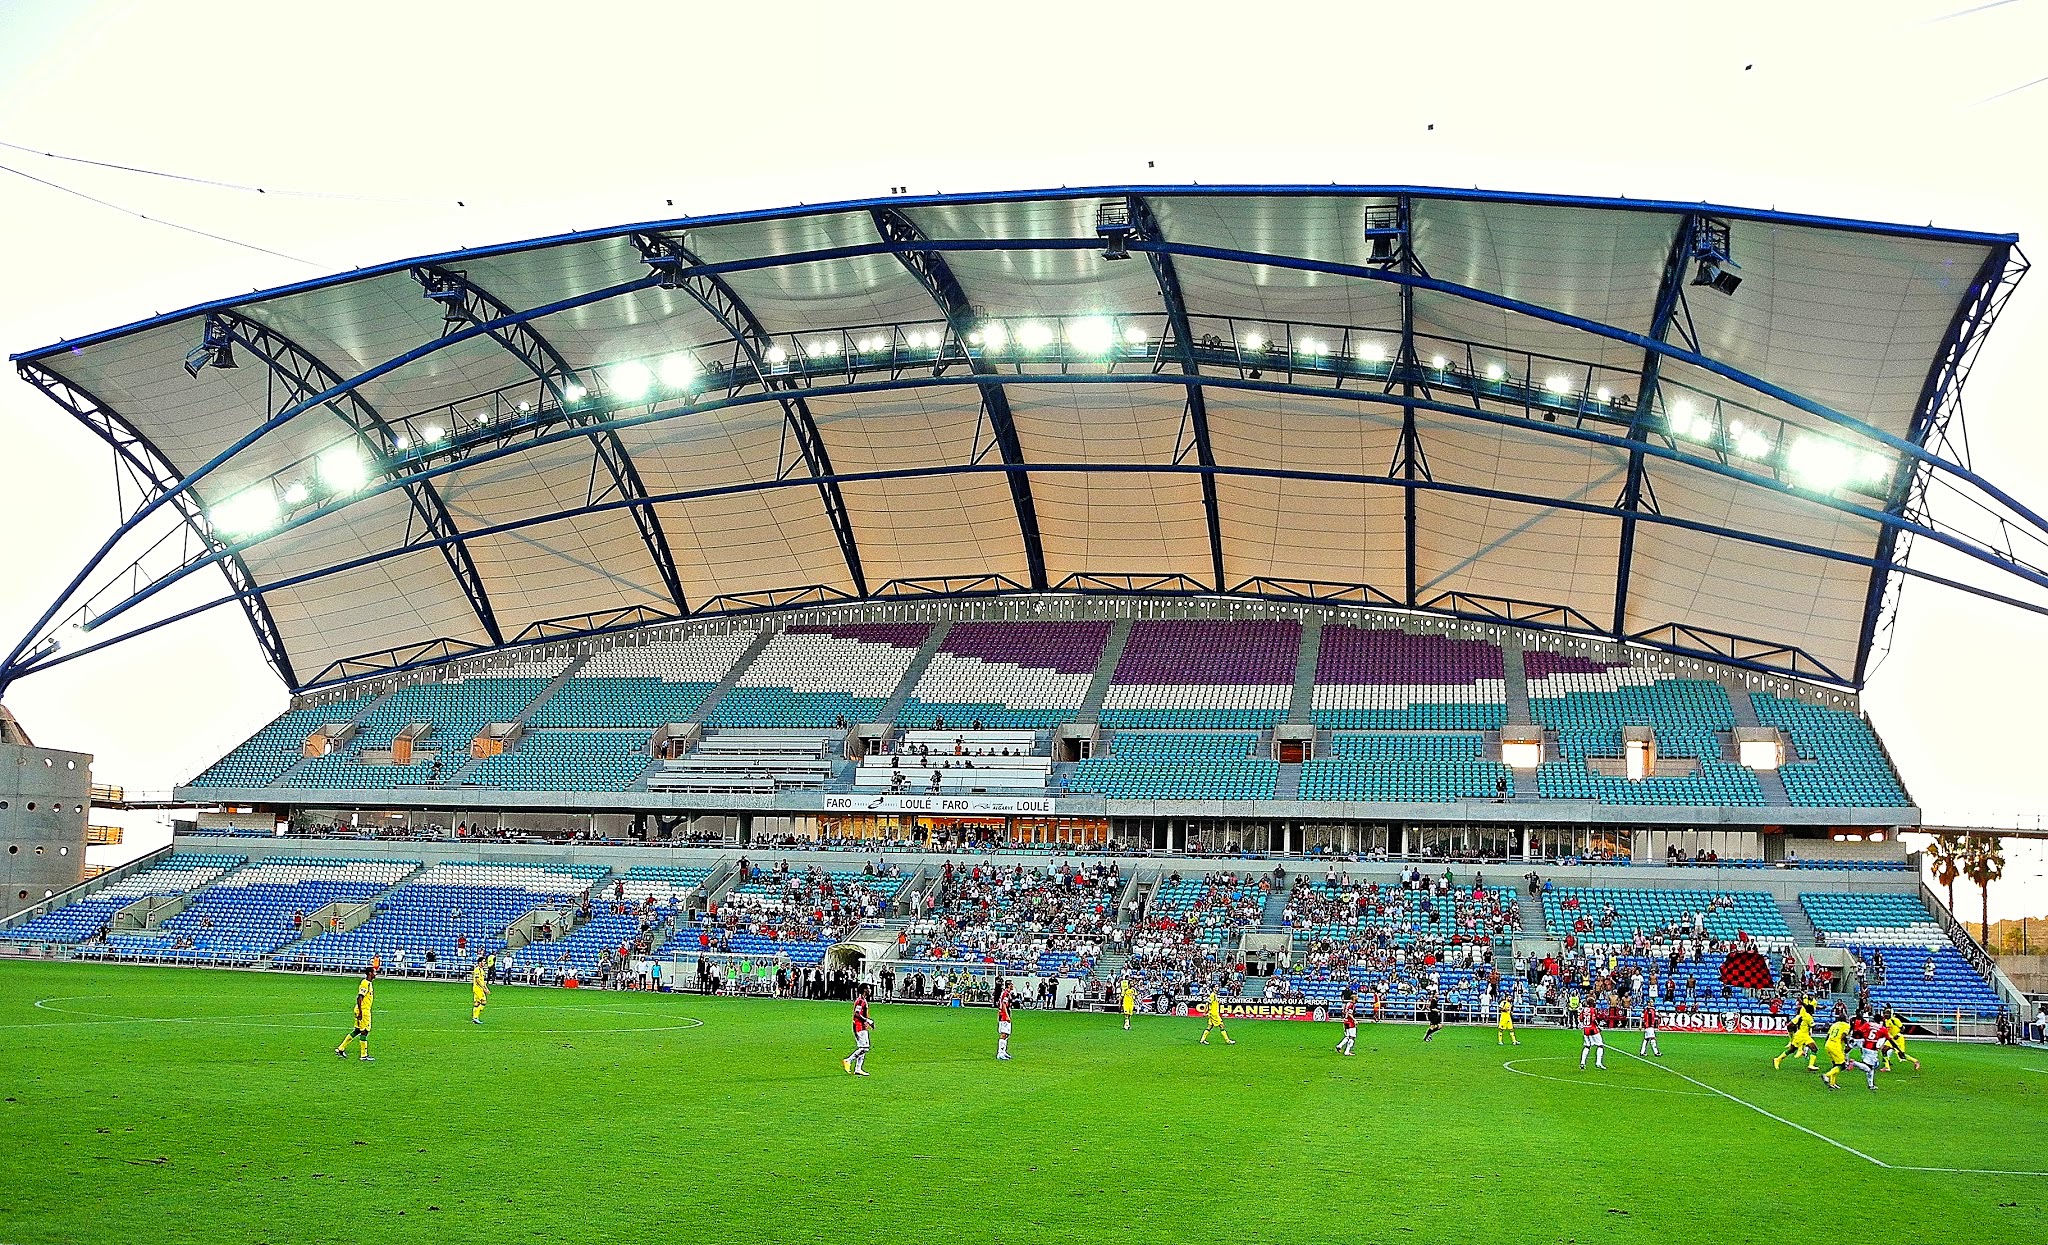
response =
{"points": [[1308, 486]]}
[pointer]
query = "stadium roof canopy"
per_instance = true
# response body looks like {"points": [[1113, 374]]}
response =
{"points": [[1702, 428]]}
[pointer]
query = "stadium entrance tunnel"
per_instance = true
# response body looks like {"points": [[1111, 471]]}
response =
{"points": [[846, 957]]}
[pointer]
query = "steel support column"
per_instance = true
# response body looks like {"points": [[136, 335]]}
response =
{"points": [[1145, 227], [1670, 293], [718, 299], [156, 475], [467, 304], [303, 374], [936, 276]]}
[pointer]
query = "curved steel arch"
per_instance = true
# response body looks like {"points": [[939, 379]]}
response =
{"points": [[292, 363], [150, 466], [918, 254], [723, 304], [1145, 228], [523, 342], [1670, 296]]}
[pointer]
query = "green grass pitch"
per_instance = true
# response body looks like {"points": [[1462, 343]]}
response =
{"points": [[172, 1105]]}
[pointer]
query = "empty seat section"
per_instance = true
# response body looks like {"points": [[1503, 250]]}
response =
{"points": [[1589, 702], [277, 747], [1007, 674], [176, 874], [1839, 761], [458, 709], [819, 676], [253, 911], [1385, 679], [644, 685], [1420, 768], [1204, 674], [560, 760], [473, 903], [1178, 765]]}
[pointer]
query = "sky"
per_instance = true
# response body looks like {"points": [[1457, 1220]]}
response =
{"points": [[380, 130]]}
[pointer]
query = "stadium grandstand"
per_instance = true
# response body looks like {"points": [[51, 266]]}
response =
{"points": [[1403, 592]]}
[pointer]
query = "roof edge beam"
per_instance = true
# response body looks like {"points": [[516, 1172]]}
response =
{"points": [[1145, 226], [466, 304], [911, 247]]}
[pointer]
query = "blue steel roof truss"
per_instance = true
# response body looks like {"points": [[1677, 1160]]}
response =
{"points": [[923, 257]]}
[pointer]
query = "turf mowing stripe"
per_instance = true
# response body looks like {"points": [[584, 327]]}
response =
{"points": [[1760, 1111], [1953, 1171]]}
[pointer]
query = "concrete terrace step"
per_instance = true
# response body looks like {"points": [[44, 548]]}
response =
{"points": [[1303, 699], [1288, 785], [1796, 919], [1098, 688], [925, 652]]}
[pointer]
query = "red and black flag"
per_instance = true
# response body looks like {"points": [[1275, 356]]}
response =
{"points": [[1747, 969]]}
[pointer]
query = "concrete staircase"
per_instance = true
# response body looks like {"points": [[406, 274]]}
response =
{"points": [[1739, 701], [1110, 965], [732, 676], [925, 652], [1796, 920], [1303, 699], [1098, 689], [1275, 915], [1288, 785], [1516, 676], [1532, 917]]}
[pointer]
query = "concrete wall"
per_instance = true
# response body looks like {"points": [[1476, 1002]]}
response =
{"points": [[44, 798]]}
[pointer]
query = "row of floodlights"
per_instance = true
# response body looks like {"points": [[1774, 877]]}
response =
{"points": [[1819, 461]]}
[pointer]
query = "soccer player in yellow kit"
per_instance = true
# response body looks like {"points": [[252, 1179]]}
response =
{"points": [[1130, 1002], [365, 996], [479, 989], [1837, 1047], [1216, 1021], [1802, 1037], [1895, 1030], [1506, 1033]]}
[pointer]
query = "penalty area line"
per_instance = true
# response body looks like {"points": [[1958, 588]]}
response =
{"points": [[1819, 1136]]}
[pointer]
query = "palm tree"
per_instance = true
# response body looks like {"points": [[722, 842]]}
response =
{"points": [[1984, 863], [1945, 855]]}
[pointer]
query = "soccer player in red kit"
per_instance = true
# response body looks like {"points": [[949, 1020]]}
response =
{"points": [[1350, 1024], [1595, 1045], [1003, 1023], [857, 1062], [1650, 1031]]}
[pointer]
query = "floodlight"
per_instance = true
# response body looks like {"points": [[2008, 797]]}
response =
{"points": [[995, 335], [1091, 334], [1135, 336], [524, 408], [573, 392], [776, 356], [1438, 362], [1559, 385], [432, 433], [1873, 467], [1752, 444], [1821, 463], [630, 379], [823, 348], [482, 418], [399, 441], [297, 493], [1034, 336], [1372, 352], [1313, 348], [1253, 341], [247, 512], [341, 469], [1602, 395], [1495, 371], [678, 372]]}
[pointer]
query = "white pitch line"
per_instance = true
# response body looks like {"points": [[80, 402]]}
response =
{"points": [[1589, 1082], [1951, 1171]]}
